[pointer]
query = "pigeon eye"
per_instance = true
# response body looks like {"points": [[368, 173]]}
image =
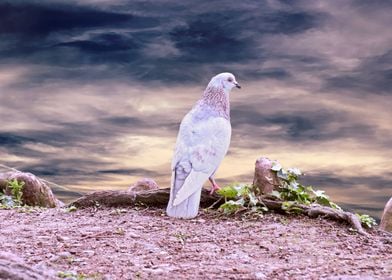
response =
{"points": [[230, 79]]}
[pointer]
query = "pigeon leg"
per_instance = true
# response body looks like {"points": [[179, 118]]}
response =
{"points": [[214, 186]]}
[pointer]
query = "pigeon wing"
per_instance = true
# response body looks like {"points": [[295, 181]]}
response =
{"points": [[203, 144]]}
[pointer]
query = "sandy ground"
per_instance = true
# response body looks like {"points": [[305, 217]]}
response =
{"points": [[146, 244]]}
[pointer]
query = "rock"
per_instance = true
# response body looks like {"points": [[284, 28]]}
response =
{"points": [[89, 253], [144, 184], [265, 180], [14, 268], [386, 219], [64, 255], [35, 192]]}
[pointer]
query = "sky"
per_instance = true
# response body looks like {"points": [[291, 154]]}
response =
{"points": [[92, 92]]}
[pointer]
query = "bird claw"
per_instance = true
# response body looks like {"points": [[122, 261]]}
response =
{"points": [[214, 188]]}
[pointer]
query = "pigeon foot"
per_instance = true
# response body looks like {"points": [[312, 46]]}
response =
{"points": [[214, 186]]}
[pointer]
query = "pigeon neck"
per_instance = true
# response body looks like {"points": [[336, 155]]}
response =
{"points": [[218, 99]]}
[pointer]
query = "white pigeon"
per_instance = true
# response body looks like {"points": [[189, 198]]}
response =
{"points": [[202, 143]]}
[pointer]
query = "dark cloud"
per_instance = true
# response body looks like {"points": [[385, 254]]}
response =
{"points": [[15, 143], [302, 126], [318, 179], [32, 19], [88, 168], [266, 73], [132, 171], [74, 171], [203, 41], [58, 167], [107, 42], [377, 190], [168, 42], [287, 22], [373, 75], [66, 195], [10, 140], [94, 134], [208, 39]]}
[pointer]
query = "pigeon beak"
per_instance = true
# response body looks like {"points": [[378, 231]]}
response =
{"points": [[237, 85]]}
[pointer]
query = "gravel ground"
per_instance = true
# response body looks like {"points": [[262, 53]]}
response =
{"points": [[145, 244]]}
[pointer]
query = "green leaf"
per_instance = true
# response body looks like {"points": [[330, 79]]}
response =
{"points": [[231, 206], [6, 201], [294, 171], [323, 201], [282, 174], [291, 207], [243, 190], [294, 185], [291, 192], [252, 199], [228, 192], [366, 220], [276, 166], [320, 194], [335, 206], [16, 188], [71, 209], [276, 194]]}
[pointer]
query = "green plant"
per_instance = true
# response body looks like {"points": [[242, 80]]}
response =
{"points": [[70, 209], [16, 188], [366, 220], [293, 192], [15, 199], [6, 201], [240, 197], [293, 195]]}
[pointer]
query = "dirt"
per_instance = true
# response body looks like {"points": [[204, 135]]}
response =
{"points": [[146, 244]]}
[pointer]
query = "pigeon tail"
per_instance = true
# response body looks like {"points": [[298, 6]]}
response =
{"points": [[193, 182], [185, 193], [187, 209]]}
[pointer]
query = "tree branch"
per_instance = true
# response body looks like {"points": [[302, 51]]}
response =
{"points": [[160, 197]]}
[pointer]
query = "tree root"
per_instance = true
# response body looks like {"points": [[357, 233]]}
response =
{"points": [[155, 198], [160, 197]]}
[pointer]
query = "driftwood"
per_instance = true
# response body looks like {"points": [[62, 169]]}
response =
{"points": [[155, 198], [159, 198]]}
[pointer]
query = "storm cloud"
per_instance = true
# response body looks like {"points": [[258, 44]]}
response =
{"points": [[92, 92]]}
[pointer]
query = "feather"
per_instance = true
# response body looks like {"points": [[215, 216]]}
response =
{"points": [[191, 185]]}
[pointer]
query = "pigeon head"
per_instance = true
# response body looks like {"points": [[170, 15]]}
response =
{"points": [[224, 80]]}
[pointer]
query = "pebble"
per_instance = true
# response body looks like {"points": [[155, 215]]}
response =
{"points": [[89, 253], [133, 235], [64, 255], [260, 275], [62, 238]]}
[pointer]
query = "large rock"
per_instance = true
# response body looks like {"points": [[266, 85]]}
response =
{"points": [[386, 219], [14, 268], [265, 180], [144, 184], [35, 192]]}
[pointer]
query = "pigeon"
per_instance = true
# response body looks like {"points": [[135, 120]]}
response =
{"points": [[202, 142]]}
